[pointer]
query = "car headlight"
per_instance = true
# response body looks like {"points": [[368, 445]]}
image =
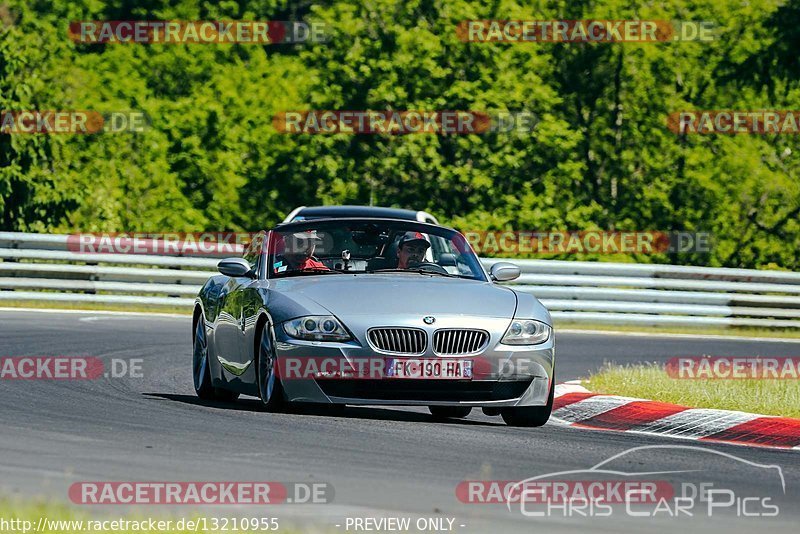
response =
{"points": [[526, 332], [317, 328]]}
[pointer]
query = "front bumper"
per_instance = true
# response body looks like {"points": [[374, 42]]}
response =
{"points": [[503, 376], [411, 392]]}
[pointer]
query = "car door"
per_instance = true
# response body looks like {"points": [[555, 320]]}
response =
{"points": [[231, 329], [227, 327]]}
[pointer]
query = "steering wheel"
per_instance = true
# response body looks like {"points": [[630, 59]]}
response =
{"points": [[427, 266]]}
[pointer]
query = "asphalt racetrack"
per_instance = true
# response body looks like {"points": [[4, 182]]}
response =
{"points": [[380, 462]]}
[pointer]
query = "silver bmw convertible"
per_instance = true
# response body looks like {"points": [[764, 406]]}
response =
{"points": [[368, 311]]}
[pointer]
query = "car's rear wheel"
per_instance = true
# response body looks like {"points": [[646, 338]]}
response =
{"points": [[450, 412], [270, 390], [200, 368], [531, 416]]}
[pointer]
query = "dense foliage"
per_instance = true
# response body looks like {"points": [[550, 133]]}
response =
{"points": [[601, 156]]}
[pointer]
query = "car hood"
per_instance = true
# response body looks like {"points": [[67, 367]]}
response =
{"points": [[399, 294]]}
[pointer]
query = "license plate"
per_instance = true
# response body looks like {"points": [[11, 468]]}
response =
{"points": [[421, 369]]}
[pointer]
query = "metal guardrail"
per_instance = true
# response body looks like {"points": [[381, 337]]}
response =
{"points": [[42, 267]]}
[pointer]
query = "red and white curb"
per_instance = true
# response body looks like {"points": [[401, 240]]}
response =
{"points": [[579, 407]]}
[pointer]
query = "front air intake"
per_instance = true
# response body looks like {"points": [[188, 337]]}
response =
{"points": [[398, 340], [458, 341]]}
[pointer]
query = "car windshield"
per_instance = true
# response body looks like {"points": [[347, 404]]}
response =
{"points": [[316, 248]]}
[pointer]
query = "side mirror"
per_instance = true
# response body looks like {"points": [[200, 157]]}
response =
{"points": [[235, 267], [504, 272]]}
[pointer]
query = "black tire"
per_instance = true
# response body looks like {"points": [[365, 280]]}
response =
{"points": [[200, 371], [200, 368], [531, 416], [270, 389], [450, 412]]}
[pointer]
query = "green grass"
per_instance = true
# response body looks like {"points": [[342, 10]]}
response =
{"points": [[88, 306], [738, 331], [768, 397], [57, 518]]}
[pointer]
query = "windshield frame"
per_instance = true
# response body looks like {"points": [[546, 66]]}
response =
{"points": [[407, 225]]}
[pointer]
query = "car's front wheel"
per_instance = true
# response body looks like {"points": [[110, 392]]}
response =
{"points": [[270, 390], [200, 370], [530, 415], [450, 412]]}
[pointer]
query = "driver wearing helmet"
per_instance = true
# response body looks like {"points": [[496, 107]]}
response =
{"points": [[298, 253]]}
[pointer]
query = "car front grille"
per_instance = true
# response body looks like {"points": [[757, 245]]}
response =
{"points": [[456, 341], [399, 340]]}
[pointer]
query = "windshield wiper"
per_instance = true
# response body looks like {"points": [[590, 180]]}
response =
{"points": [[413, 270], [307, 272]]}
